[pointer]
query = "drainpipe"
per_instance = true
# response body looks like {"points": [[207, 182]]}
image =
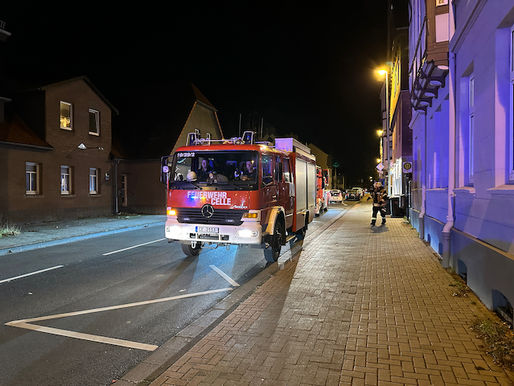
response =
{"points": [[423, 183], [452, 126]]}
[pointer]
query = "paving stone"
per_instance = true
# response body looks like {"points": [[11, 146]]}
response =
{"points": [[357, 306]]}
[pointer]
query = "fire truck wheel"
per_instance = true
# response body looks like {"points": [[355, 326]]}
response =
{"points": [[273, 251], [190, 251]]}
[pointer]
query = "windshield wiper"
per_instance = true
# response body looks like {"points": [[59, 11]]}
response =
{"points": [[184, 185]]}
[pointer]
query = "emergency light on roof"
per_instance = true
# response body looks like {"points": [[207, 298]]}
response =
{"points": [[248, 137], [290, 144], [192, 139]]}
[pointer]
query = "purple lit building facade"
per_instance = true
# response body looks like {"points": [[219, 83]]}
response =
{"points": [[462, 89]]}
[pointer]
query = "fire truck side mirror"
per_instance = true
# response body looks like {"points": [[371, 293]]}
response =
{"points": [[165, 170]]}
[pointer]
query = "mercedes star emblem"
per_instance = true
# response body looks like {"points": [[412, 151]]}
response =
{"points": [[207, 211]]}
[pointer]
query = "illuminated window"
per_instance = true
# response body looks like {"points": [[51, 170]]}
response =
{"points": [[94, 122], [93, 181], [31, 178], [66, 115], [65, 180]]}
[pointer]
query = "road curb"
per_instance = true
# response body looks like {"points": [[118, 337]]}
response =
{"points": [[167, 354], [160, 360], [44, 244]]}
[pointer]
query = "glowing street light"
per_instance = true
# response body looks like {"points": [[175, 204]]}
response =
{"points": [[381, 72], [380, 132], [384, 74]]}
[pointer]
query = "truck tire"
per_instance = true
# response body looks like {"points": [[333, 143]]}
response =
{"points": [[272, 253], [190, 251]]}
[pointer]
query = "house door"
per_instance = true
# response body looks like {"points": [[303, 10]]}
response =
{"points": [[123, 190]]}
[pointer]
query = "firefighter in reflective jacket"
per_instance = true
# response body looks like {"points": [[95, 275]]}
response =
{"points": [[379, 196]]}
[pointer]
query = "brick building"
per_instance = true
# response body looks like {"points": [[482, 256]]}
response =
{"points": [[55, 142]]}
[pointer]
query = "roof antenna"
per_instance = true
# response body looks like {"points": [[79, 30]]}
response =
{"points": [[239, 125]]}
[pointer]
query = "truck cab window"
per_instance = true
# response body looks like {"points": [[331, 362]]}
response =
{"points": [[285, 170], [278, 169], [267, 169]]}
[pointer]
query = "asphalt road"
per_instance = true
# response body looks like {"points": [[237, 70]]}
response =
{"points": [[99, 309]]}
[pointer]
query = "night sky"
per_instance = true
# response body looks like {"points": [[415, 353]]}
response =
{"points": [[303, 69]]}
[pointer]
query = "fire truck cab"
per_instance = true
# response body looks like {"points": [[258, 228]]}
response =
{"points": [[239, 192]]}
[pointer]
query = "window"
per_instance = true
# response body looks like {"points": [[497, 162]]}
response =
{"points": [[65, 180], [267, 169], [93, 181], [287, 175], [471, 128], [278, 169], [94, 122], [31, 178], [511, 161], [66, 115]]}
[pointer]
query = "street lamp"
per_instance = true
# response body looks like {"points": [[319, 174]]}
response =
{"points": [[383, 72], [84, 147]]}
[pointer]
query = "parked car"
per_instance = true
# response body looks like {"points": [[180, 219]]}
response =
{"points": [[353, 195], [335, 196], [360, 190]]}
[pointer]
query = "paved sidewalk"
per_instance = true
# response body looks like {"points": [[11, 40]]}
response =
{"points": [[357, 306], [50, 233]]}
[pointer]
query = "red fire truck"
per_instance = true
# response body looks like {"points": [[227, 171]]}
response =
{"points": [[239, 192]]}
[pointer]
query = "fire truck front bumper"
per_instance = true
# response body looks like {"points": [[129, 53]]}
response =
{"points": [[247, 233]]}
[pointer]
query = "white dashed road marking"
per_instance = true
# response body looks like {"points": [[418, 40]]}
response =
{"points": [[30, 274], [134, 246]]}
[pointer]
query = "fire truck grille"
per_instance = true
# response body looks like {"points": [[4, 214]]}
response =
{"points": [[219, 217]]}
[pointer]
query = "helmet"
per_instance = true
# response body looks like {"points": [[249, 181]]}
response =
{"points": [[191, 176]]}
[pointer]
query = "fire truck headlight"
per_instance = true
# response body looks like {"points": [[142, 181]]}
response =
{"points": [[171, 212], [247, 233]]}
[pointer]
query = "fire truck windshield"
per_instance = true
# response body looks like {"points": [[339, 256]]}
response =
{"points": [[227, 170]]}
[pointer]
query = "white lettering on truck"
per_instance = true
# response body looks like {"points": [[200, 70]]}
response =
{"points": [[213, 198]]}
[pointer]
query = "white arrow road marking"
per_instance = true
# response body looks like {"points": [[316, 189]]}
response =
{"points": [[135, 246], [27, 323], [224, 276], [30, 274], [80, 335]]}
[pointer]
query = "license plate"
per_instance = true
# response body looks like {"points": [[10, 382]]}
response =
{"points": [[207, 230]]}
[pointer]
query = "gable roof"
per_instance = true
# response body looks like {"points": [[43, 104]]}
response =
{"points": [[13, 131], [150, 124], [89, 83]]}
